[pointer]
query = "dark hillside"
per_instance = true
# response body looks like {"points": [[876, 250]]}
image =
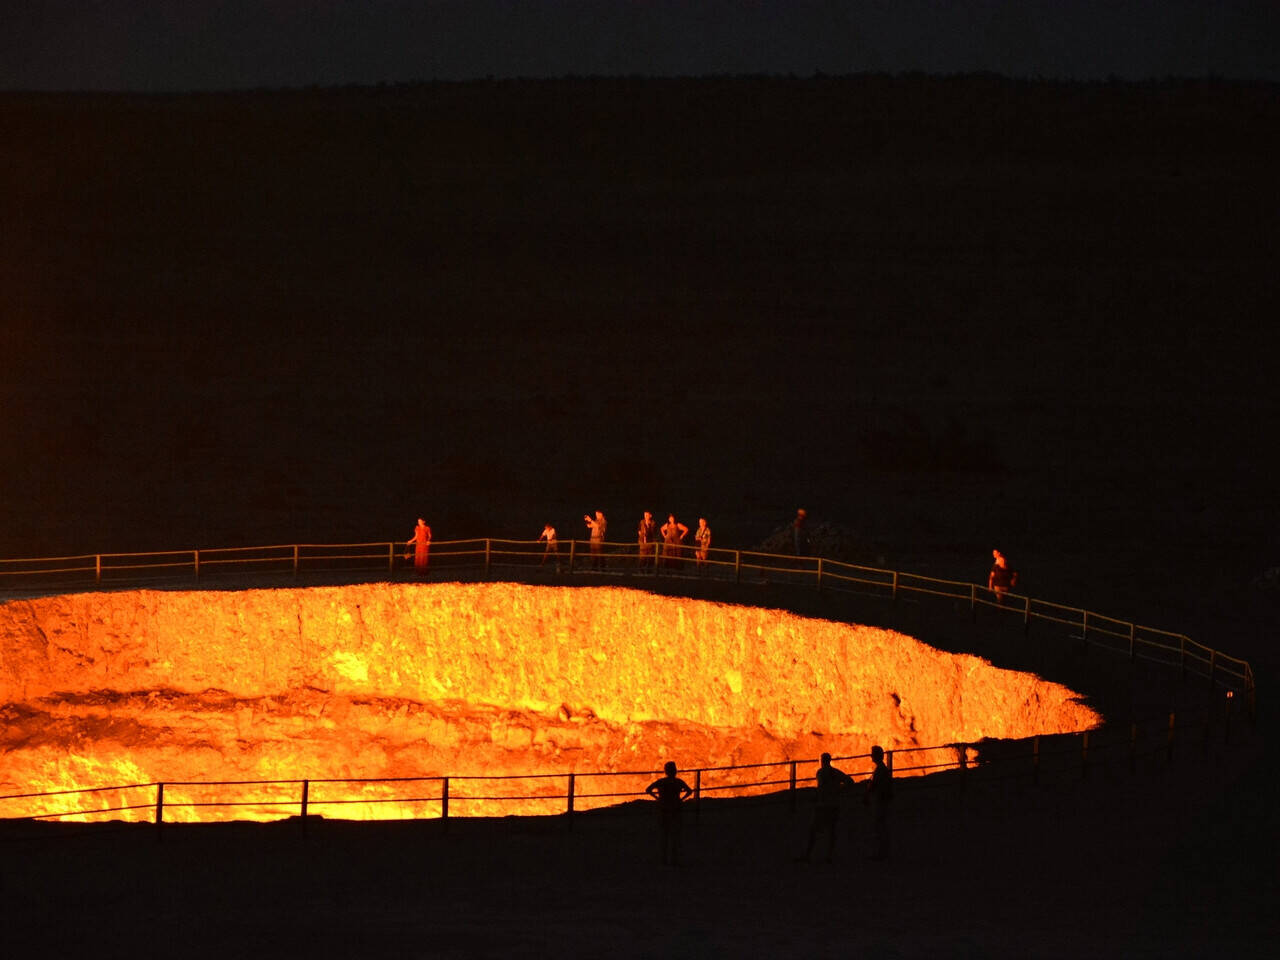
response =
{"points": [[941, 312]]}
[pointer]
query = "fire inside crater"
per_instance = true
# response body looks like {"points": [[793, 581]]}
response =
{"points": [[468, 680]]}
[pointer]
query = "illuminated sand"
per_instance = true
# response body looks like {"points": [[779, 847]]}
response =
{"points": [[386, 680]]}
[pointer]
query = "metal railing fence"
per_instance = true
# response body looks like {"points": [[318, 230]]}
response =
{"points": [[491, 558], [496, 558], [1041, 759]]}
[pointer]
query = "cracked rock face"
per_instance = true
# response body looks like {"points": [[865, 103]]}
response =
{"points": [[412, 680]]}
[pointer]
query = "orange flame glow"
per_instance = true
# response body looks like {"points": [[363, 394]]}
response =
{"points": [[474, 680]]}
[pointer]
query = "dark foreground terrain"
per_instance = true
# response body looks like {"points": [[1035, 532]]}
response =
{"points": [[1157, 864]]}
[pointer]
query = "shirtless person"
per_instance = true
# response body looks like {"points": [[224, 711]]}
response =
{"points": [[553, 546], [597, 527]]}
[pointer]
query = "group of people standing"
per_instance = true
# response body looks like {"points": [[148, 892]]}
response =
{"points": [[663, 545], [832, 783], [671, 792], [669, 554], [673, 534]]}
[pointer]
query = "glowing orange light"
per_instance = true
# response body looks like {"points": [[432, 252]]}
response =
{"points": [[414, 680]]}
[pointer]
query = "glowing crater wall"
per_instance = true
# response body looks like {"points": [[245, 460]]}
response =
{"points": [[400, 680]]}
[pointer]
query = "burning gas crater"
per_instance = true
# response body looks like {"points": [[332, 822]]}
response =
{"points": [[476, 680]]}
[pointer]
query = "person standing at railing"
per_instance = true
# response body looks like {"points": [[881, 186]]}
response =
{"points": [[670, 792], [597, 525], [1002, 577], [800, 533], [646, 538], [673, 534], [421, 542], [832, 782], [553, 545], [703, 536], [879, 796]]}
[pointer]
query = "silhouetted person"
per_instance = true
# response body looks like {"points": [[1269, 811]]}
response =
{"points": [[670, 792], [597, 526], [879, 796], [673, 534], [647, 538], [553, 546], [1002, 577], [831, 783], [800, 533], [703, 537], [421, 542]]}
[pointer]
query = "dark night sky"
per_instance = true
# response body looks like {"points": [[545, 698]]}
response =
{"points": [[158, 45]]}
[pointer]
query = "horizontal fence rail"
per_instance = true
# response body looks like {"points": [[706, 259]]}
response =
{"points": [[490, 558], [499, 558], [1041, 759]]}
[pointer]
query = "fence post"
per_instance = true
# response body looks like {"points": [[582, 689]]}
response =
{"points": [[1132, 654], [792, 788], [391, 557], [819, 574], [737, 566], [1084, 630], [97, 568], [295, 560], [572, 546], [444, 800], [894, 592], [306, 793], [1026, 617], [697, 793], [487, 541], [962, 756], [973, 598], [159, 807], [195, 563], [569, 809]]}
